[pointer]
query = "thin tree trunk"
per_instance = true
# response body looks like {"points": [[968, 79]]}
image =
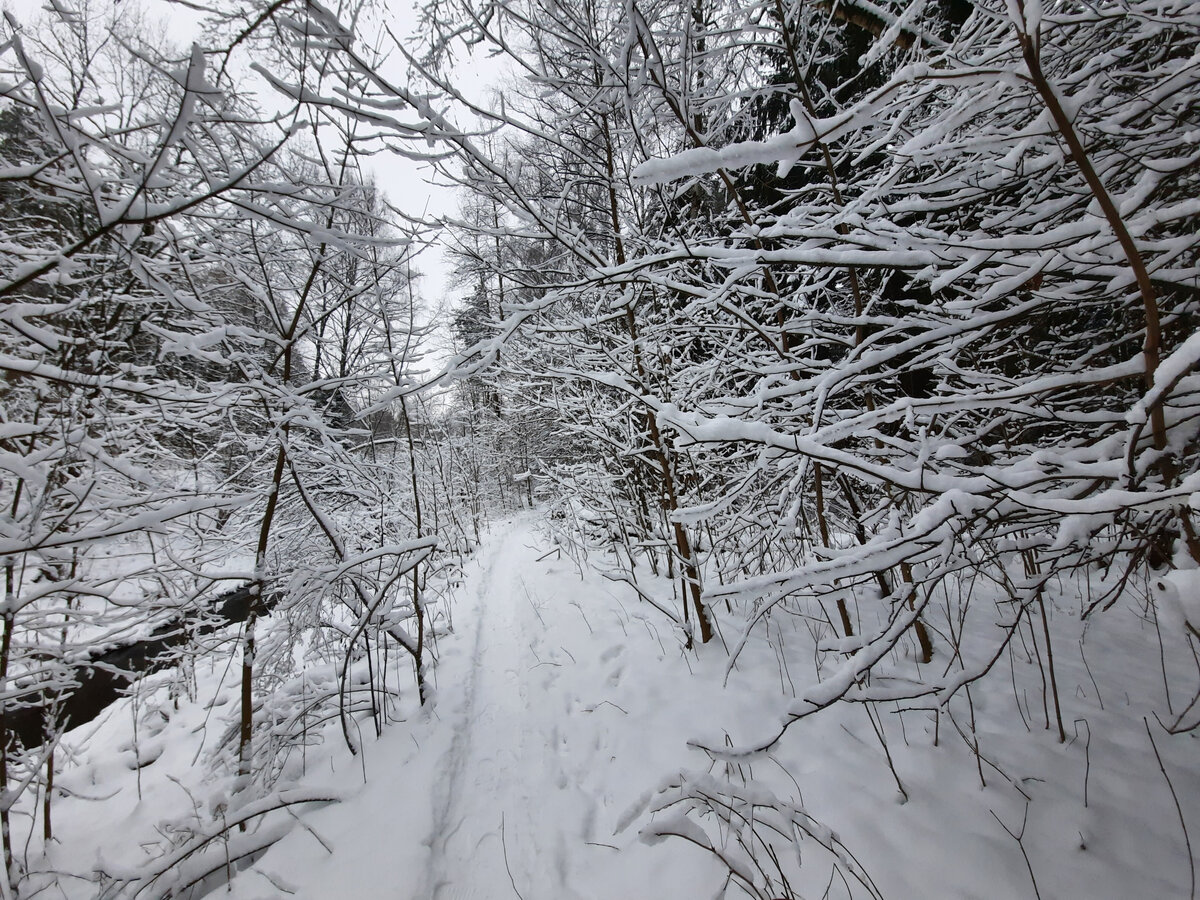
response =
{"points": [[419, 654], [9, 623], [1152, 343], [823, 528], [687, 559], [5, 654]]}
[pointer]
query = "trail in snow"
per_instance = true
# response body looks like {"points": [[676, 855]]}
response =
{"points": [[509, 786], [503, 759], [525, 804]]}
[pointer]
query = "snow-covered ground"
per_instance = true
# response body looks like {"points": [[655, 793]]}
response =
{"points": [[542, 734], [561, 717]]}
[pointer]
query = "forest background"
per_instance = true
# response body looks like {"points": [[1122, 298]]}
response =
{"points": [[857, 335]]}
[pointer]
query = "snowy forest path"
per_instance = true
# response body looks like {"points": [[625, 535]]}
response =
{"points": [[515, 782], [488, 832]]}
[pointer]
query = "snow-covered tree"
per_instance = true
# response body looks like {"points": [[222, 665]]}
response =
{"points": [[932, 325], [202, 303]]}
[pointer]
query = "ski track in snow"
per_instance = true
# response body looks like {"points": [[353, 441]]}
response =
{"points": [[525, 785], [484, 802], [508, 786]]}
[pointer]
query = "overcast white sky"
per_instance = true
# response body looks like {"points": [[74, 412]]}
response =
{"points": [[408, 185]]}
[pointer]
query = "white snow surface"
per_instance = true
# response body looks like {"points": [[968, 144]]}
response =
{"points": [[538, 739], [563, 705]]}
